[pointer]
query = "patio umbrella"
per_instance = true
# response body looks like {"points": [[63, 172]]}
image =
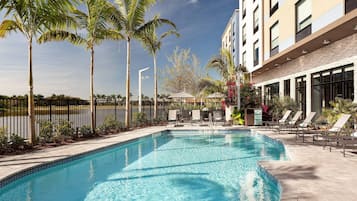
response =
{"points": [[216, 95], [181, 95]]}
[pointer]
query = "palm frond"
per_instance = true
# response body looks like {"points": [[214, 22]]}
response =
{"points": [[8, 26], [75, 39]]}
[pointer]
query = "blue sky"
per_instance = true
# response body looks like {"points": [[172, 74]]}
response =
{"points": [[62, 68]]}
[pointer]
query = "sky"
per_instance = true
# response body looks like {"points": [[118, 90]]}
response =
{"points": [[61, 68]]}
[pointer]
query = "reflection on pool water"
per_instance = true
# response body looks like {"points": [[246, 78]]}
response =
{"points": [[171, 165]]}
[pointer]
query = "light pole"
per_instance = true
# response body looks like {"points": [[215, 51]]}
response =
{"points": [[140, 72]]}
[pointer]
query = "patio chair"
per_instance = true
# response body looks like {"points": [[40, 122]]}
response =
{"points": [[333, 134], [292, 123], [217, 116], [349, 142], [281, 121], [173, 116], [196, 116], [303, 127]]}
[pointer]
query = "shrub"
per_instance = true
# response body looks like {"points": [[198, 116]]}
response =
{"points": [[237, 117], [4, 145], [340, 106], [46, 131], [109, 125], [140, 118], [17, 142], [86, 131], [64, 128], [278, 106]]}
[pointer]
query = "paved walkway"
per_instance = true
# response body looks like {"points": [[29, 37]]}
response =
{"points": [[314, 173], [311, 173]]}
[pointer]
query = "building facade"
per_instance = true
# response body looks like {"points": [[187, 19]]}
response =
{"points": [[309, 51], [230, 36], [251, 41]]}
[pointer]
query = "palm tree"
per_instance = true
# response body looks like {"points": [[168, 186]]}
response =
{"points": [[131, 19], [153, 43], [224, 64], [32, 18], [95, 22]]}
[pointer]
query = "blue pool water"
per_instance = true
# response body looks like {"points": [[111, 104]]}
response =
{"points": [[172, 165]]}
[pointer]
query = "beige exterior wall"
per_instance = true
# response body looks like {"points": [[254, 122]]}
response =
{"points": [[310, 63], [323, 12], [319, 8]]}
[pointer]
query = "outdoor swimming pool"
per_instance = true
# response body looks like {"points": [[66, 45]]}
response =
{"points": [[171, 165]]}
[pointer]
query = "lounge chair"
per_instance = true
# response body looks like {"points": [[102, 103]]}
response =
{"points": [[196, 116], [281, 121], [173, 116], [292, 123], [333, 134], [217, 116], [348, 142], [303, 127]]}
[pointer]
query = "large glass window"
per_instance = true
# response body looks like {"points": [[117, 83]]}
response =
{"points": [[327, 85], [300, 83], [303, 14], [244, 34], [270, 91], [256, 20], [274, 5], [287, 87], [256, 53], [274, 39]]}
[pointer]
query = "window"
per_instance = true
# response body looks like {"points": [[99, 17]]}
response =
{"points": [[256, 20], [350, 5], [270, 91], [234, 24], [244, 8], [303, 13], [287, 87], [244, 34], [274, 5], [300, 83], [303, 19], [244, 59], [327, 85], [256, 53], [274, 39]]}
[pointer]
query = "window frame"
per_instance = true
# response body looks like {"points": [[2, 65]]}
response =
{"points": [[255, 24], [273, 8], [274, 50], [256, 53]]}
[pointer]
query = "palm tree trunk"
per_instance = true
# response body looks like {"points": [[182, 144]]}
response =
{"points": [[127, 92], [92, 117], [155, 87], [31, 105]]}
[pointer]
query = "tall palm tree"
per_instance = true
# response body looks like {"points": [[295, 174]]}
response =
{"points": [[224, 64], [131, 19], [94, 21], [32, 18], [152, 42]]}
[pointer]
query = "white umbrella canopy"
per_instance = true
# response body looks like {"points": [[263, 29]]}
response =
{"points": [[216, 95], [181, 95]]}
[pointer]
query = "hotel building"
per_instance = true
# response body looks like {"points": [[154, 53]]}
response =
{"points": [[230, 36], [251, 27], [309, 51]]}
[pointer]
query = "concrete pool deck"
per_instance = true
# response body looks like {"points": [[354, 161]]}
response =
{"points": [[311, 173]]}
